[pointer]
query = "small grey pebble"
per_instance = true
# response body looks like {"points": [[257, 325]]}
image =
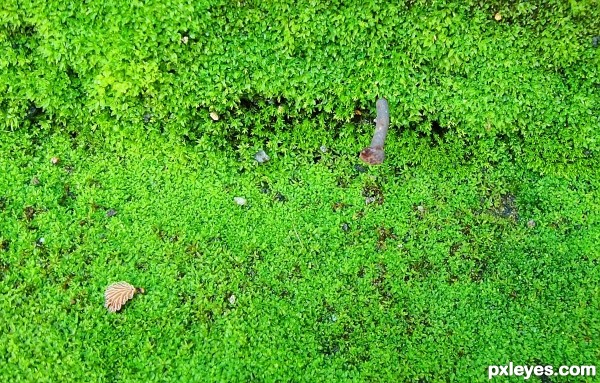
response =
{"points": [[147, 117], [232, 299], [40, 242], [345, 226], [369, 200], [261, 157], [323, 149], [531, 223], [241, 201], [595, 41], [111, 213], [421, 209]]}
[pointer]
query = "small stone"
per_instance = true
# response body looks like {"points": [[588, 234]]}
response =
{"points": [[111, 213], [497, 16], [40, 242], [323, 149], [185, 39], [147, 117], [261, 157], [214, 116], [241, 201], [595, 41], [369, 200], [55, 160], [421, 209], [232, 299], [345, 226], [531, 223]]}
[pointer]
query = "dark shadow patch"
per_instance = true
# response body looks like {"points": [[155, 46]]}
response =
{"points": [[280, 197], [419, 270], [507, 207], [338, 206], [381, 284], [362, 115], [29, 213], [383, 234], [478, 272], [21, 37], [4, 268], [437, 130], [264, 187], [34, 112], [342, 182], [358, 169], [141, 266], [67, 196], [373, 192], [67, 282]]}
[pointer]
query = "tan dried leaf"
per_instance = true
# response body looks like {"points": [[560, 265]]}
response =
{"points": [[214, 116], [117, 294]]}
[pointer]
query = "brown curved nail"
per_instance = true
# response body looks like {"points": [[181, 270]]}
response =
{"points": [[374, 154]]}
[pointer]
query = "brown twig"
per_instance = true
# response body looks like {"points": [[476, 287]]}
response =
{"points": [[374, 154]]}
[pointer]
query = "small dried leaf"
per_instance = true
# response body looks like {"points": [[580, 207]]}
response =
{"points": [[117, 294], [214, 116], [498, 16], [55, 160]]}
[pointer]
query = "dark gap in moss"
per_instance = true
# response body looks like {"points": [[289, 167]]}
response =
{"points": [[373, 192], [34, 112], [438, 130]]}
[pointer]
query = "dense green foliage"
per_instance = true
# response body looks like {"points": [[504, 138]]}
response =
{"points": [[479, 245]]}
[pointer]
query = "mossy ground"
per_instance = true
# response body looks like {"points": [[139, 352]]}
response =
{"points": [[478, 245], [437, 277]]}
